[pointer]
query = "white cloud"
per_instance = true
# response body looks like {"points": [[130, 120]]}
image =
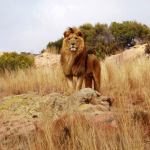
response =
{"points": [[30, 25], [58, 11]]}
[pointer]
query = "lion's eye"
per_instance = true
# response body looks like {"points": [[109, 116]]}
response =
{"points": [[68, 38], [76, 38]]}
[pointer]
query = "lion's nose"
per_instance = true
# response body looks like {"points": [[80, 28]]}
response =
{"points": [[72, 44]]}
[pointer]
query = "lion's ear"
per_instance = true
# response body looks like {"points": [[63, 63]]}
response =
{"points": [[66, 34], [80, 34]]}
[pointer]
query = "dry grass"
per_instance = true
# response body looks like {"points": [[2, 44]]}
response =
{"points": [[83, 136], [80, 135], [129, 80], [53, 50], [41, 80], [124, 79], [127, 83]]}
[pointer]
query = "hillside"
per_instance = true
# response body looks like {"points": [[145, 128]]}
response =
{"points": [[130, 54], [36, 112], [48, 60]]}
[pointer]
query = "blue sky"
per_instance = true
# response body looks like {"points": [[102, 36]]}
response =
{"points": [[28, 25]]}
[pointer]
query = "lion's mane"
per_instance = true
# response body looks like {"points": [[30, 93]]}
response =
{"points": [[73, 62]]}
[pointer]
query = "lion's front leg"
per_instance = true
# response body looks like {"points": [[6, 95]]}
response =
{"points": [[79, 83], [70, 83]]}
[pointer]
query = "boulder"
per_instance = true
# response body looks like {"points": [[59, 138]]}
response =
{"points": [[23, 116]]}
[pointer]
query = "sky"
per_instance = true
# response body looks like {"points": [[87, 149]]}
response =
{"points": [[28, 25]]}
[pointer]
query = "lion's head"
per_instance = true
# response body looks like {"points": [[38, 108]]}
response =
{"points": [[73, 52], [73, 40]]}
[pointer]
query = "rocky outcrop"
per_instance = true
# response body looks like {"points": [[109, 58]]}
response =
{"points": [[21, 116], [47, 60]]}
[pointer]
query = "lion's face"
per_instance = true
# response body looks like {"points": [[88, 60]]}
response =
{"points": [[73, 40]]}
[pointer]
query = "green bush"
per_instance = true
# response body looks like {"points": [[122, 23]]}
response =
{"points": [[57, 44], [98, 39], [42, 51], [127, 31], [103, 39], [13, 61]]}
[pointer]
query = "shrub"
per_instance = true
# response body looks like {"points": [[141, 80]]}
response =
{"points": [[108, 39], [13, 61], [42, 51], [127, 31], [147, 49], [57, 44]]}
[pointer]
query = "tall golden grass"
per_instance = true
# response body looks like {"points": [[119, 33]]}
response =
{"points": [[128, 79], [82, 136], [41, 80], [128, 83], [125, 78], [53, 50]]}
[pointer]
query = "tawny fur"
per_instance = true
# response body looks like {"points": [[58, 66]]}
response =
{"points": [[77, 63], [93, 72]]}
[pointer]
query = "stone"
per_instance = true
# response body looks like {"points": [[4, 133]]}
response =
{"points": [[22, 116]]}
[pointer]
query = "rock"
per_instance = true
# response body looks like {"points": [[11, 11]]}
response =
{"points": [[15, 131], [19, 113], [47, 60], [89, 96], [87, 107], [104, 119]]}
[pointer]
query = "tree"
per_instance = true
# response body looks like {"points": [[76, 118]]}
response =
{"points": [[103, 40], [127, 31]]}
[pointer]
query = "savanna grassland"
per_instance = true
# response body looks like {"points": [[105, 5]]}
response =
{"points": [[127, 83]]}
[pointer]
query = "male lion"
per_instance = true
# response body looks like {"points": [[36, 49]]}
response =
{"points": [[77, 63]]}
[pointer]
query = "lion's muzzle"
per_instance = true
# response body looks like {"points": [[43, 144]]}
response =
{"points": [[73, 47]]}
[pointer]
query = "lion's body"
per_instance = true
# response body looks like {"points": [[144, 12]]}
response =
{"points": [[77, 63], [93, 72], [73, 64]]}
